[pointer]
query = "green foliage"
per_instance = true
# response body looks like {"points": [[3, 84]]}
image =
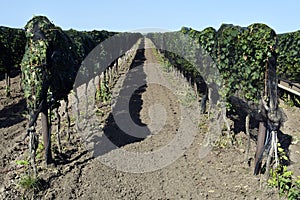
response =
{"points": [[227, 56], [256, 44], [28, 182], [22, 162], [83, 41], [103, 94], [282, 178], [224, 142], [100, 36], [287, 100], [166, 66], [53, 57], [32, 63], [40, 150], [288, 61], [99, 112], [240, 55], [289, 56], [180, 51], [207, 40], [12, 47]]}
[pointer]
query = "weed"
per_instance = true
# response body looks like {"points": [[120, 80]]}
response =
{"points": [[72, 120], [224, 141], [104, 95], [28, 182], [290, 101], [203, 125], [282, 178], [22, 162], [99, 112], [39, 151]]}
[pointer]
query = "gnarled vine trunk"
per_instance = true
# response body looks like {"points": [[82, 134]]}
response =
{"points": [[262, 130]]}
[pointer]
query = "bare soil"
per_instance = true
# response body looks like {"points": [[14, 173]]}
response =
{"points": [[166, 109]]}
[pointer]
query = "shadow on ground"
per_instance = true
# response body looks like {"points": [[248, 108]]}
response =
{"points": [[127, 110], [12, 114]]}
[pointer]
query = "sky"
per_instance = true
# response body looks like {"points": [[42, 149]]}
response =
{"points": [[130, 15]]}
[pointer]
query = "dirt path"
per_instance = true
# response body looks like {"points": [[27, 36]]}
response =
{"points": [[147, 148], [152, 167]]}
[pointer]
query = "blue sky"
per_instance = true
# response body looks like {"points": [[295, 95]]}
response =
{"points": [[128, 15]]}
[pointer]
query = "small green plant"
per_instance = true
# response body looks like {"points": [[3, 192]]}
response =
{"points": [[99, 112], [156, 54], [39, 151], [282, 178], [294, 192], [287, 100], [28, 182], [167, 66], [203, 125], [7, 90], [162, 61], [22, 162], [103, 94], [72, 120], [224, 141], [187, 97], [239, 141]]}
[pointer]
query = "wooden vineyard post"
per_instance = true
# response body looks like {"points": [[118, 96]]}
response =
{"points": [[58, 129], [117, 66], [68, 117], [46, 135], [262, 129], [93, 80], [7, 80], [196, 91], [247, 122]]}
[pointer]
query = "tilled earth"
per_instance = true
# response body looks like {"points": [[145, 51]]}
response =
{"points": [[148, 146]]}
